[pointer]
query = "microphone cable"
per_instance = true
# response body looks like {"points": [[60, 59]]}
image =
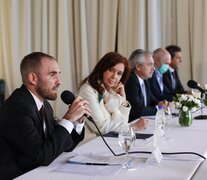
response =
{"points": [[165, 153], [139, 152], [90, 119]]}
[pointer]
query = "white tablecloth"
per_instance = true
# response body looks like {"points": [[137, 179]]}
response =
{"points": [[172, 167]]}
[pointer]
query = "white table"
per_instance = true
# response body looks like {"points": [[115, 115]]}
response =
{"points": [[172, 167]]}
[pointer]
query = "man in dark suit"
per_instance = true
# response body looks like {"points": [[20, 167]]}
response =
{"points": [[162, 60], [171, 78], [137, 88], [29, 139]]}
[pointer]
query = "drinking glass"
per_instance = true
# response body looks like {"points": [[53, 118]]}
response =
{"points": [[126, 140], [168, 117]]}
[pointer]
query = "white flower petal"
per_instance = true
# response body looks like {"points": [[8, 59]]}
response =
{"points": [[185, 109]]}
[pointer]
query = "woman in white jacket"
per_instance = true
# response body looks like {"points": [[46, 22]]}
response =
{"points": [[104, 90]]}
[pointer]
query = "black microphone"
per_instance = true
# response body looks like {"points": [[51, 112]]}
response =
{"points": [[194, 85], [68, 98]]}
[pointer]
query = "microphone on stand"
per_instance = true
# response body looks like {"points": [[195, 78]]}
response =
{"points": [[68, 98], [194, 85]]}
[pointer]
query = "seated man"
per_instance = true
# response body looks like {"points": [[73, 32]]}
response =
{"points": [[159, 89], [137, 88], [171, 78], [29, 134]]}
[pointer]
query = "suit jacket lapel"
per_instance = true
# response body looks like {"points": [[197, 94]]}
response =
{"points": [[139, 89]]}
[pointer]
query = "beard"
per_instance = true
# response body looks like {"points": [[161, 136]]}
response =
{"points": [[46, 93]]}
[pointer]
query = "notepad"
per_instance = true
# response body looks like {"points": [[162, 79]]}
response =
{"points": [[138, 135]]}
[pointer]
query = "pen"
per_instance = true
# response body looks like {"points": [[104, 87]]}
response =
{"points": [[95, 164]]}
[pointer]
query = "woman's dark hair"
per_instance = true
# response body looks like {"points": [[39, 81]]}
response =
{"points": [[108, 61]]}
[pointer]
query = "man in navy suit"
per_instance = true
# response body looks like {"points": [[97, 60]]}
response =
{"points": [[137, 88], [171, 78], [159, 89], [27, 139]]}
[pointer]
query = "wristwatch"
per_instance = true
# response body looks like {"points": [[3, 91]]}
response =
{"points": [[125, 104]]}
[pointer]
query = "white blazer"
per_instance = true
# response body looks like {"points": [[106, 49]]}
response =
{"points": [[107, 112]]}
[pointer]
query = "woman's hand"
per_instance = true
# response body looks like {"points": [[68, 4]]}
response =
{"points": [[140, 124], [119, 89]]}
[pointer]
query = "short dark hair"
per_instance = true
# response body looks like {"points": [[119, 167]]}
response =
{"points": [[106, 62], [172, 49], [32, 61]]}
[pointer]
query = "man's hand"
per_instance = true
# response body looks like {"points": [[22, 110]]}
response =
{"points": [[164, 103], [77, 109]]}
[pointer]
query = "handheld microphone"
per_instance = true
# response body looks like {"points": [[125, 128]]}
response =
{"points": [[194, 85], [68, 98]]}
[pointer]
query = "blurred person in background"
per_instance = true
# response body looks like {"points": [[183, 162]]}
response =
{"points": [[170, 77], [162, 61]]}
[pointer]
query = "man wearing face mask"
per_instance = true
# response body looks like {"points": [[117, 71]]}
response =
{"points": [[162, 60]]}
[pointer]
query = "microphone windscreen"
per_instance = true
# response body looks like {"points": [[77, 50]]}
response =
{"points": [[67, 97], [192, 84]]}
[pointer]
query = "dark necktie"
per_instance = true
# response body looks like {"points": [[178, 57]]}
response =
{"points": [[144, 93], [42, 115], [173, 79]]}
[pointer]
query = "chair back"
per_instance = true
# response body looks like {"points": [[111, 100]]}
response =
{"points": [[2, 91]]}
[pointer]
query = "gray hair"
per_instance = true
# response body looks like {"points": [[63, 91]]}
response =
{"points": [[159, 54], [138, 57]]}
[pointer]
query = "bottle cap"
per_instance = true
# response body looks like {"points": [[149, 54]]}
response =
{"points": [[160, 107]]}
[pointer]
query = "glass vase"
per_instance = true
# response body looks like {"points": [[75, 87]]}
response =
{"points": [[185, 118], [205, 99]]}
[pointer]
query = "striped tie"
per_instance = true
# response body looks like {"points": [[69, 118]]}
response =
{"points": [[42, 115]]}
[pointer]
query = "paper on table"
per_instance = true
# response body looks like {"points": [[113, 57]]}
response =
{"points": [[82, 164], [98, 159], [90, 170]]}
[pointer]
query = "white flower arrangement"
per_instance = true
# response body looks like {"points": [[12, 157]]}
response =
{"points": [[186, 102], [205, 87], [205, 98]]}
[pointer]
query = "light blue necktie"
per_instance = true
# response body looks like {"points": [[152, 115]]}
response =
{"points": [[144, 93], [160, 83]]}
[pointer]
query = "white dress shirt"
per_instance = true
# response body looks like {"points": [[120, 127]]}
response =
{"points": [[64, 122]]}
